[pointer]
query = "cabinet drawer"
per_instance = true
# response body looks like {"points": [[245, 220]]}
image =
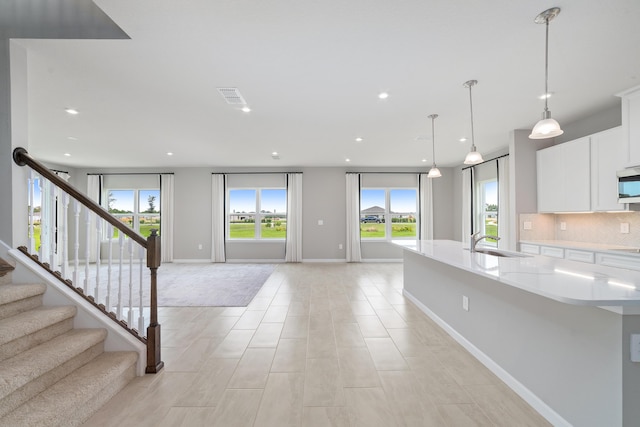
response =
{"points": [[582, 256], [552, 251], [529, 249], [620, 261]]}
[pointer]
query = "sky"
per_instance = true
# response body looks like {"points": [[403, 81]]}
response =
{"points": [[124, 199], [491, 195], [270, 200]]}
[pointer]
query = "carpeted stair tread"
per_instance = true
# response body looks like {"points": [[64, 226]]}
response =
{"points": [[74, 396], [32, 364], [31, 321], [12, 293]]}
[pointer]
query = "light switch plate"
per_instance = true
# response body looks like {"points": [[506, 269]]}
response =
{"points": [[624, 227], [320, 222], [527, 225], [563, 226], [465, 303]]}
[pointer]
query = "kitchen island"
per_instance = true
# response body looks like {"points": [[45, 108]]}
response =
{"points": [[556, 331]]}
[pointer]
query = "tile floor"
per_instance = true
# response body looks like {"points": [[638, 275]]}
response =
{"points": [[320, 345]]}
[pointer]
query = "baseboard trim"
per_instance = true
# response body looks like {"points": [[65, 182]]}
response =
{"points": [[192, 261], [382, 260], [527, 395], [255, 261], [321, 260]]}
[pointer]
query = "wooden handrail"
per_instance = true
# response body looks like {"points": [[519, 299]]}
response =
{"points": [[151, 245], [22, 157]]}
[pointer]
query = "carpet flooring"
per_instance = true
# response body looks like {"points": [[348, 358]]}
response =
{"points": [[189, 285]]}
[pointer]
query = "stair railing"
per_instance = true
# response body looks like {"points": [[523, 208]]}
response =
{"points": [[54, 253]]}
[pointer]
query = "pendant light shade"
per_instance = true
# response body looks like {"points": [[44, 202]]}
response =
{"points": [[473, 156], [434, 172], [547, 127]]}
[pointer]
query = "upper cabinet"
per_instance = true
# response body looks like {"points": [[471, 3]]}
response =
{"points": [[631, 125], [608, 155], [564, 177], [580, 175]]}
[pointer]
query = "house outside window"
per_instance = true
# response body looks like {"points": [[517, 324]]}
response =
{"points": [[256, 213], [388, 213], [486, 210]]}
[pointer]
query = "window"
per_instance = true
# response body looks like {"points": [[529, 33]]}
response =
{"points": [[139, 209], [388, 213], [257, 213], [486, 211]]}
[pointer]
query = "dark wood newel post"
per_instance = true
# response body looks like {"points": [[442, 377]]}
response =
{"points": [[154, 362]]}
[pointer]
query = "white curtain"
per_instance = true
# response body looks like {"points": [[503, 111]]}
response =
{"points": [[94, 187], [293, 248], [504, 218], [425, 186], [166, 216], [218, 187], [353, 218], [467, 194]]}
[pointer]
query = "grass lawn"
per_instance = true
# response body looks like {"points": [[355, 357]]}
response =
{"points": [[246, 230], [377, 231]]}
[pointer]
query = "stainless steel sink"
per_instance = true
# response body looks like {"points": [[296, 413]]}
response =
{"points": [[505, 254]]}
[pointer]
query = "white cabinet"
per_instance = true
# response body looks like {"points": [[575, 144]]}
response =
{"points": [[608, 155], [578, 255], [631, 124], [552, 251], [564, 177], [620, 261], [528, 248]]}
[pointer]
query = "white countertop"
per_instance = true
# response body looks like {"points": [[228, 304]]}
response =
{"points": [[562, 280]]}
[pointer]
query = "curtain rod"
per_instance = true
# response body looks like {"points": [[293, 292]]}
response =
{"points": [[58, 171], [250, 173], [134, 173], [486, 161], [395, 173]]}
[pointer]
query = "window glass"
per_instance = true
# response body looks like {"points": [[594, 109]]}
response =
{"points": [[487, 210], [138, 208], [403, 207], [257, 213], [372, 213], [388, 213]]}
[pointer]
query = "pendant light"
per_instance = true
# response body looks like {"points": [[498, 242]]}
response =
{"points": [[547, 127], [473, 156], [434, 172]]}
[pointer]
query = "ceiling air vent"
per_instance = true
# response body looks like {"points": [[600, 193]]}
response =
{"points": [[232, 95]]}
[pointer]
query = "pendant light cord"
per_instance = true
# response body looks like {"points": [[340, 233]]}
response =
{"points": [[546, 66], [433, 140], [473, 141]]}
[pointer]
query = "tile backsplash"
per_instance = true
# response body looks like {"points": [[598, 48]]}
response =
{"points": [[587, 227]]}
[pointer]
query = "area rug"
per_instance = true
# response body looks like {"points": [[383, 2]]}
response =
{"points": [[210, 285]]}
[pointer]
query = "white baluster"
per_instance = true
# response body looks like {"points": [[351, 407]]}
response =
{"points": [[141, 329], [32, 189], [44, 221], [96, 294], [64, 230], [76, 244], [52, 226], [110, 237], [130, 316], [121, 243], [87, 246]]}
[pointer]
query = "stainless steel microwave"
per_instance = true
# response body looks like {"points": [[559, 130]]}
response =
{"points": [[629, 185]]}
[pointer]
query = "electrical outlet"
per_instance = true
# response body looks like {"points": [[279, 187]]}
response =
{"points": [[527, 225], [200, 246], [340, 246], [624, 227], [563, 226], [320, 222], [635, 347], [465, 303]]}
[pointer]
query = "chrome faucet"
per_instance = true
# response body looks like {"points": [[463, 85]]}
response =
{"points": [[475, 239]]}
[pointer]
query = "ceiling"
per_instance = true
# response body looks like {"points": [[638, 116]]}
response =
{"points": [[311, 72]]}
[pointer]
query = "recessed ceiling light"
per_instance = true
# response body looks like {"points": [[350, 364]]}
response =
{"points": [[72, 138], [169, 153], [67, 155], [71, 111], [275, 153], [546, 95], [347, 160], [424, 160], [383, 95], [358, 139], [463, 139], [246, 109]]}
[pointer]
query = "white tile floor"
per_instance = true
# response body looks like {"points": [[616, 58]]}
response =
{"points": [[320, 345]]}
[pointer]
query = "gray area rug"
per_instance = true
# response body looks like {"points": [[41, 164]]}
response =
{"points": [[188, 285], [210, 285]]}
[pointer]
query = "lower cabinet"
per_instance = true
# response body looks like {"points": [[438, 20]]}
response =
{"points": [[631, 262]]}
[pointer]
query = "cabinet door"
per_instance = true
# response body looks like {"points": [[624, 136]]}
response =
{"points": [[564, 177], [608, 155], [577, 175], [633, 121], [550, 179]]}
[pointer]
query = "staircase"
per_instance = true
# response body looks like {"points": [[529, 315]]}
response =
{"points": [[50, 373]]}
